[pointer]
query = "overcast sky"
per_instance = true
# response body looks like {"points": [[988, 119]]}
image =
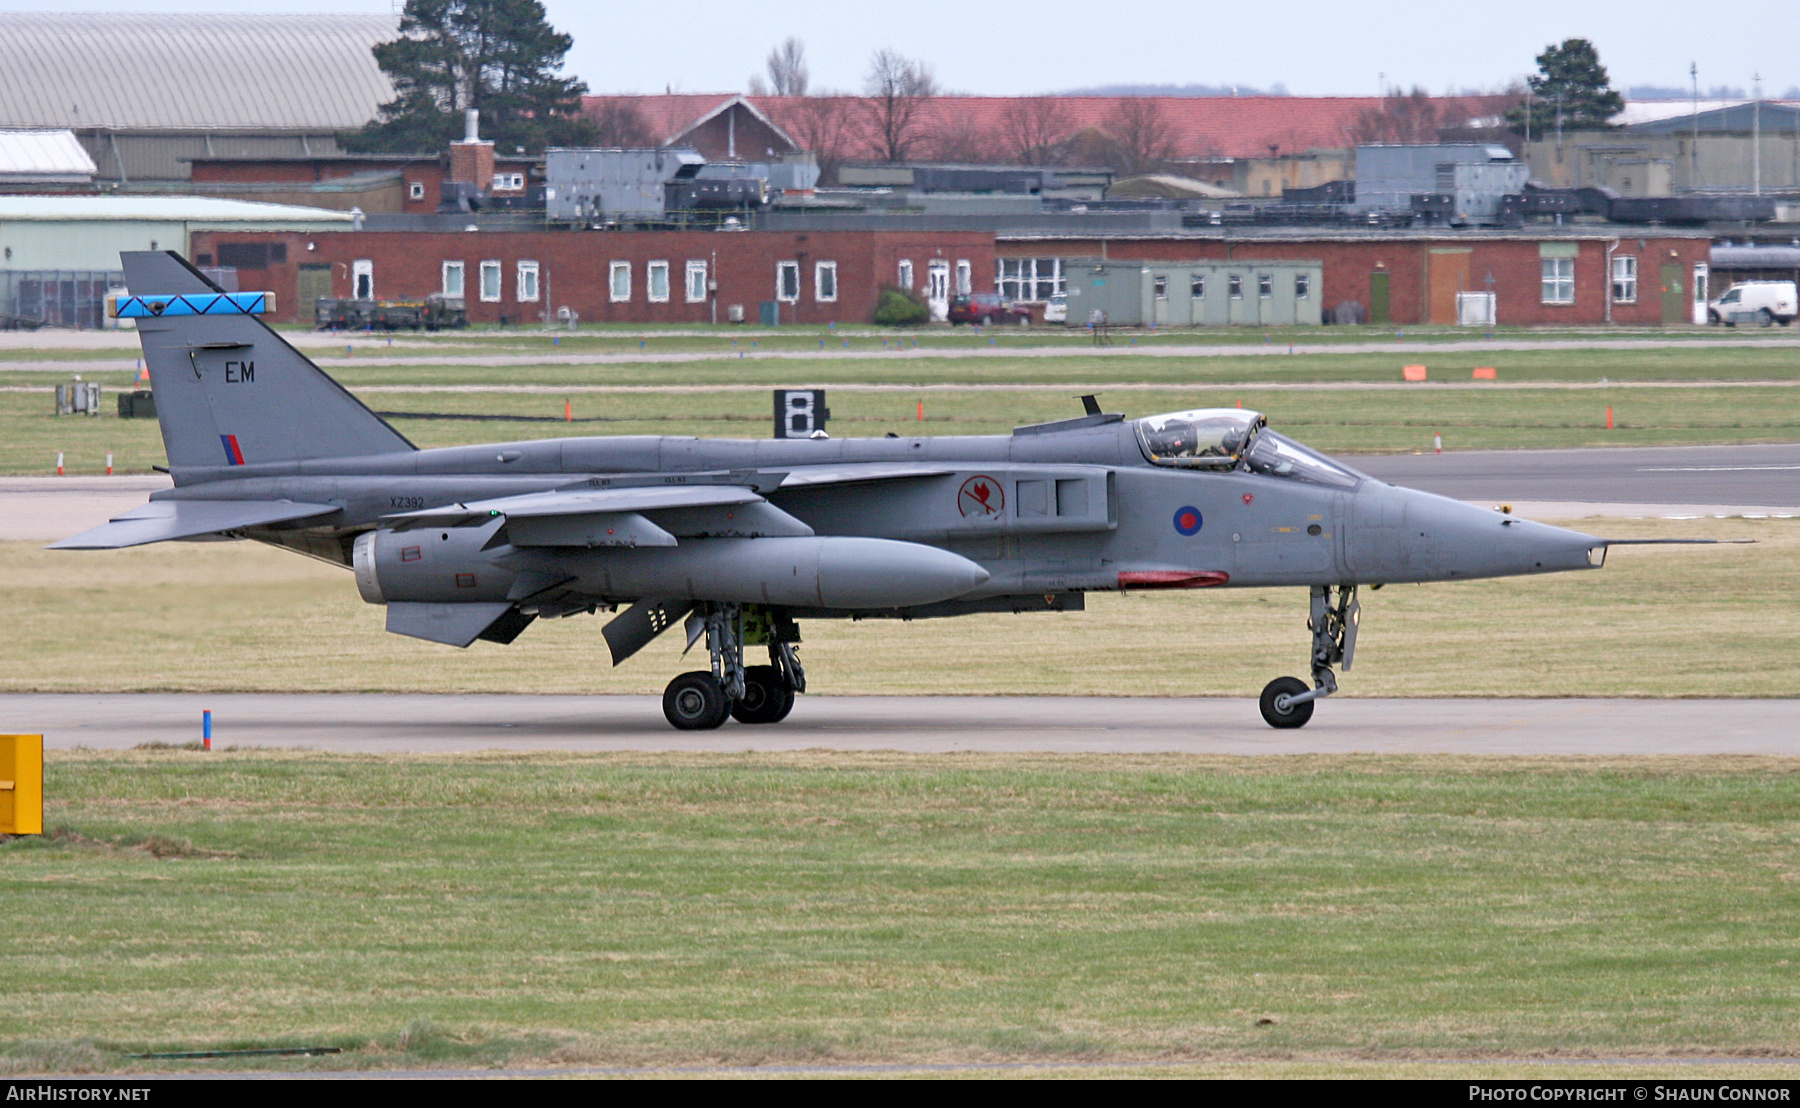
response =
{"points": [[1311, 47]]}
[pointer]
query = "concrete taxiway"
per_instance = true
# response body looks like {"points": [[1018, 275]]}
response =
{"points": [[1551, 484], [415, 723], [1765, 475]]}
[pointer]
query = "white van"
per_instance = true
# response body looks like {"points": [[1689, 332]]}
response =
{"points": [[1768, 302]]}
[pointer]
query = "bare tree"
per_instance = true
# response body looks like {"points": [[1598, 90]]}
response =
{"points": [[617, 122], [896, 90], [1033, 127], [1143, 138], [787, 68], [823, 124], [955, 137], [1411, 117]]}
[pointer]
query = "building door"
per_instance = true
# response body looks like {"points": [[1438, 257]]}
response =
{"points": [[311, 285], [362, 279], [937, 289], [1702, 274], [1674, 296], [1379, 309], [1449, 275]]}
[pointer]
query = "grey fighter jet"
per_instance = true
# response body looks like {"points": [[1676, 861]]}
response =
{"points": [[738, 541]]}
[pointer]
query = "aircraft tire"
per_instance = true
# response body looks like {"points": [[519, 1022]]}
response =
{"points": [[695, 702], [1296, 715], [765, 700]]}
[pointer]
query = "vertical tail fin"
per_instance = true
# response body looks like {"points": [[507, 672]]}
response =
{"points": [[231, 392]]}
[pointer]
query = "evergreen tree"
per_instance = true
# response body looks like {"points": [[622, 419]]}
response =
{"points": [[500, 57], [1570, 90]]}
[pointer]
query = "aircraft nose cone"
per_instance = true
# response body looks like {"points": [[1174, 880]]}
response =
{"points": [[1416, 536], [1470, 541]]}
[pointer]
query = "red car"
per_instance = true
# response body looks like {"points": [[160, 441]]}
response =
{"points": [[986, 308]]}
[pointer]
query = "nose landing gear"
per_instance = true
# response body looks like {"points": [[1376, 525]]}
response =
{"points": [[701, 700], [1286, 701]]}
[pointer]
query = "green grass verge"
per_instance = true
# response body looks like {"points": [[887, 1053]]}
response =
{"points": [[1354, 421], [1657, 621], [687, 338], [1643, 387], [644, 909]]}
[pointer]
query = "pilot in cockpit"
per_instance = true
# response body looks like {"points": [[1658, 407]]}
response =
{"points": [[1211, 436]]}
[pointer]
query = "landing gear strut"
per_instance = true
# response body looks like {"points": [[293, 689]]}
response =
{"points": [[700, 700], [1286, 701]]}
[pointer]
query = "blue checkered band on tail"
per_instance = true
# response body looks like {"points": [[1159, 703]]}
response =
{"points": [[193, 303]]}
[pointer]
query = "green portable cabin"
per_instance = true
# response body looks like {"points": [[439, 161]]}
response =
{"points": [[1194, 294]]}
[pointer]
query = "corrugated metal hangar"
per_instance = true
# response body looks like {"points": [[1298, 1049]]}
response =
{"points": [[143, 93]]}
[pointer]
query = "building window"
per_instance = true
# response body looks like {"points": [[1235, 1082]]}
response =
{"points": [[965, 277], [252, 255], [490, 281], [508, 182], [362, 279], [787, 281], [906, 274], [1265, 285], [1160, 285], [1302, 286], [618, 283], [1624, 279], [528, 282], [1030, 278], [1559, 280], [1197, 286], [656, 282], [453, 279], [696, 282], [1234, 285], [415, 190], [825, 281]]}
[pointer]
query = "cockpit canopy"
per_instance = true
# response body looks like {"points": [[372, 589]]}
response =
{"points": [[1210, 438], [1235, 439]]}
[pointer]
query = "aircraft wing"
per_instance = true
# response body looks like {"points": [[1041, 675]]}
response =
{"points": [[574, 502], [652, 515], [162, 520], [802, 476]]}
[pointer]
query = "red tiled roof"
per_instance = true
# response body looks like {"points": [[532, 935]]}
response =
{"points": [[1228, 126]]}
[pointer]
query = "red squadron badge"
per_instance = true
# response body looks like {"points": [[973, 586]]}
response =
{"points": [[1248, 497], [980, 496]]}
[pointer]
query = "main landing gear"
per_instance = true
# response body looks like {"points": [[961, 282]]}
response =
{"points": [[700, 701], [1286, 701]]}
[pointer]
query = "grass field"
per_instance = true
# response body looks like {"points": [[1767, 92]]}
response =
{"points": [[1701, 393], [1657, 621], [607, 339], [642, 909], [1332, 419]]}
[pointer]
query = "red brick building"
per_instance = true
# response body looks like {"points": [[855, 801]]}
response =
{"points": [[1575, 275], [606, 276], [1549, 276], [376, 183]]}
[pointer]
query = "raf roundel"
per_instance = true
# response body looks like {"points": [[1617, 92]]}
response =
{"points": [[1188, 520]]}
